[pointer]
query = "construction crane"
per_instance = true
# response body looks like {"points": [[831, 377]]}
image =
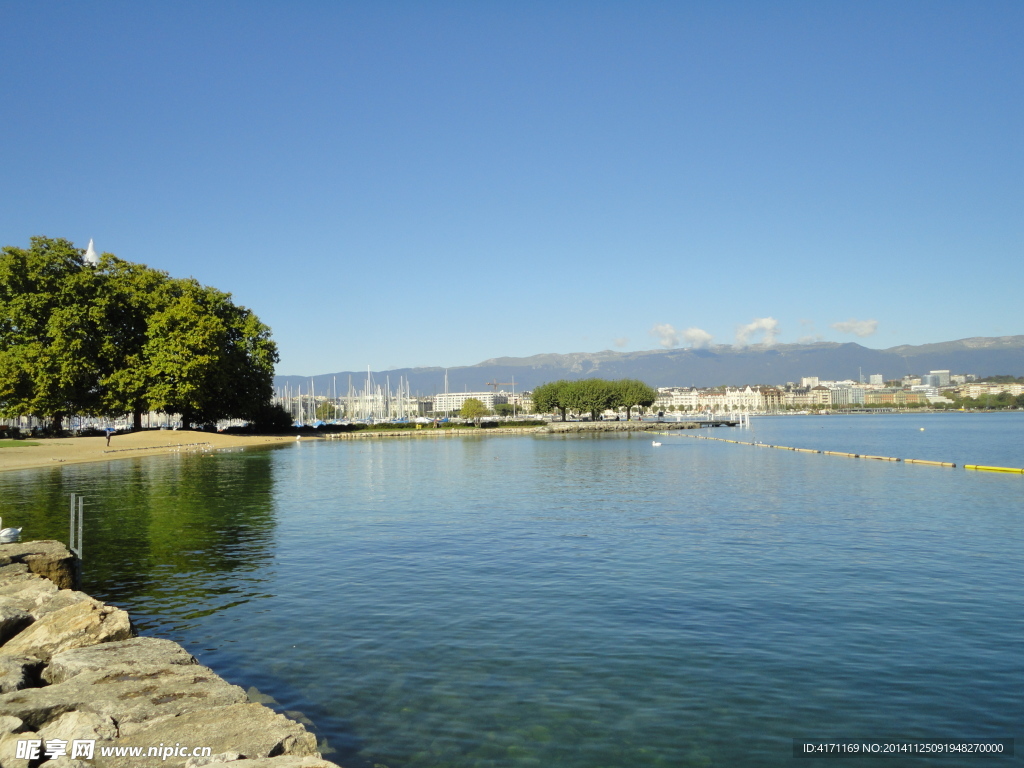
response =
{"points": [[497, 384]]}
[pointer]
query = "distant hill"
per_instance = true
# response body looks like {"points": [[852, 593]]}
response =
{"points": [[723, 364]]}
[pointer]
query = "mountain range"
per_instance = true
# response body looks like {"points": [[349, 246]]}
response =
{"points": [[699, 367]]}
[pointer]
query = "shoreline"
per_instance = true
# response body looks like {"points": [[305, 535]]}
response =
{"points": [[51, 451], [75, 674]]}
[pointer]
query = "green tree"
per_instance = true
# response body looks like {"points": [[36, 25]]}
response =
{"points": [[128, 295], [549, 398], [590, 396], [632, 392], [121, 337], [473, 409], [504, 409], [209, 359], [49, 332]]}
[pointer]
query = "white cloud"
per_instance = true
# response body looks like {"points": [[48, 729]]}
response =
{"points": [[667, 335], [857, 327], [809, 339], [768, 325], [697, 337], [621, 341]]}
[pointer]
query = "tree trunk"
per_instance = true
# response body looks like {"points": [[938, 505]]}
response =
{"points": [[137, 420], [56, 424]]}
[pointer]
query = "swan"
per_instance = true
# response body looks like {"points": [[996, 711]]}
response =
{"points": [[9, 535], [655, 443]]}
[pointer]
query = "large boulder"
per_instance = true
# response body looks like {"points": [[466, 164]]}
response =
{"points": [[12, 621], [72, 726], [47, 558], [251, 730], [10, 724], [26, 591], [9, 749], [127, 697], [85, 622], [133, 655], [18, 672], [60, 599]]}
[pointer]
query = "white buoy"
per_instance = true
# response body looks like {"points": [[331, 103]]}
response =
{"points": [[922, 429]]}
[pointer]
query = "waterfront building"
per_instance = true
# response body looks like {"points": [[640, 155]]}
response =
{"points": [[943, 377], [847, 395], [453, 401], [876, 380]]}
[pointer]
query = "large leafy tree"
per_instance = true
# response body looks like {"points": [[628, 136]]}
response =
{"points": [[208, 358], [473, 409], [549, 398], [49, 331], [591, 396], [633, 392], [128, 296], [121, 337]]}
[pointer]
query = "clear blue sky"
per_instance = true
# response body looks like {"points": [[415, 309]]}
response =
{"points": [[429, 183]]}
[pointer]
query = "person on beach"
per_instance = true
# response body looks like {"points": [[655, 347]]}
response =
{"points": [[109, 431]]}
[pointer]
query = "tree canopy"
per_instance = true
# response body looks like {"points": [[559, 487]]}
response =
{"points": [[592, 396], [472, 408], [122, 337]]}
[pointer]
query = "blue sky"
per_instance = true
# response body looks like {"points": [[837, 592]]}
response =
{"points": [[399, 184]]}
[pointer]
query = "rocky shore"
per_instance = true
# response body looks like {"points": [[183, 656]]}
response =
{"points": [[72, 669]]}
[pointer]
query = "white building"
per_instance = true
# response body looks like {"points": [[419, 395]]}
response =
{"points": [[847, 395], [453, 401]]}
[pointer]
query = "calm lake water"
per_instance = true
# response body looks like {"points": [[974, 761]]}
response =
{"points": [[582, 601]]}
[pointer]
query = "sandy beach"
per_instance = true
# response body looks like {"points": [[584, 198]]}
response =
{"points": [[80, 450]]}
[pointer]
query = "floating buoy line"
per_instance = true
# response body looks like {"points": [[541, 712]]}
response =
{"points": [[976, 467]]}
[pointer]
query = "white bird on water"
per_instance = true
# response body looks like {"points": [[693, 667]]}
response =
{"points": [[9, 535], [655, 443]]}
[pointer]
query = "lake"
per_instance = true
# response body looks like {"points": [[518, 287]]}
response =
{"points": [[582, 601]]}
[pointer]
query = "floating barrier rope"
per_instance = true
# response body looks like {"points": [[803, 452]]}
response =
{"points": [[977, 467]]}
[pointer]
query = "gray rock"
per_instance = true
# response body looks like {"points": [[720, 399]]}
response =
{"points": [[59, 599], [80, 725], [26, 591], [12, 621], [14, 569], [137, 653], [9, 749], [83, 623], [47, 558], [248, 729], [223, 757], [18, 672], [127, 697], [10, 724]]}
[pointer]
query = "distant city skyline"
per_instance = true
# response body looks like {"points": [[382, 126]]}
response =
{"points": [[439, 184]]}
